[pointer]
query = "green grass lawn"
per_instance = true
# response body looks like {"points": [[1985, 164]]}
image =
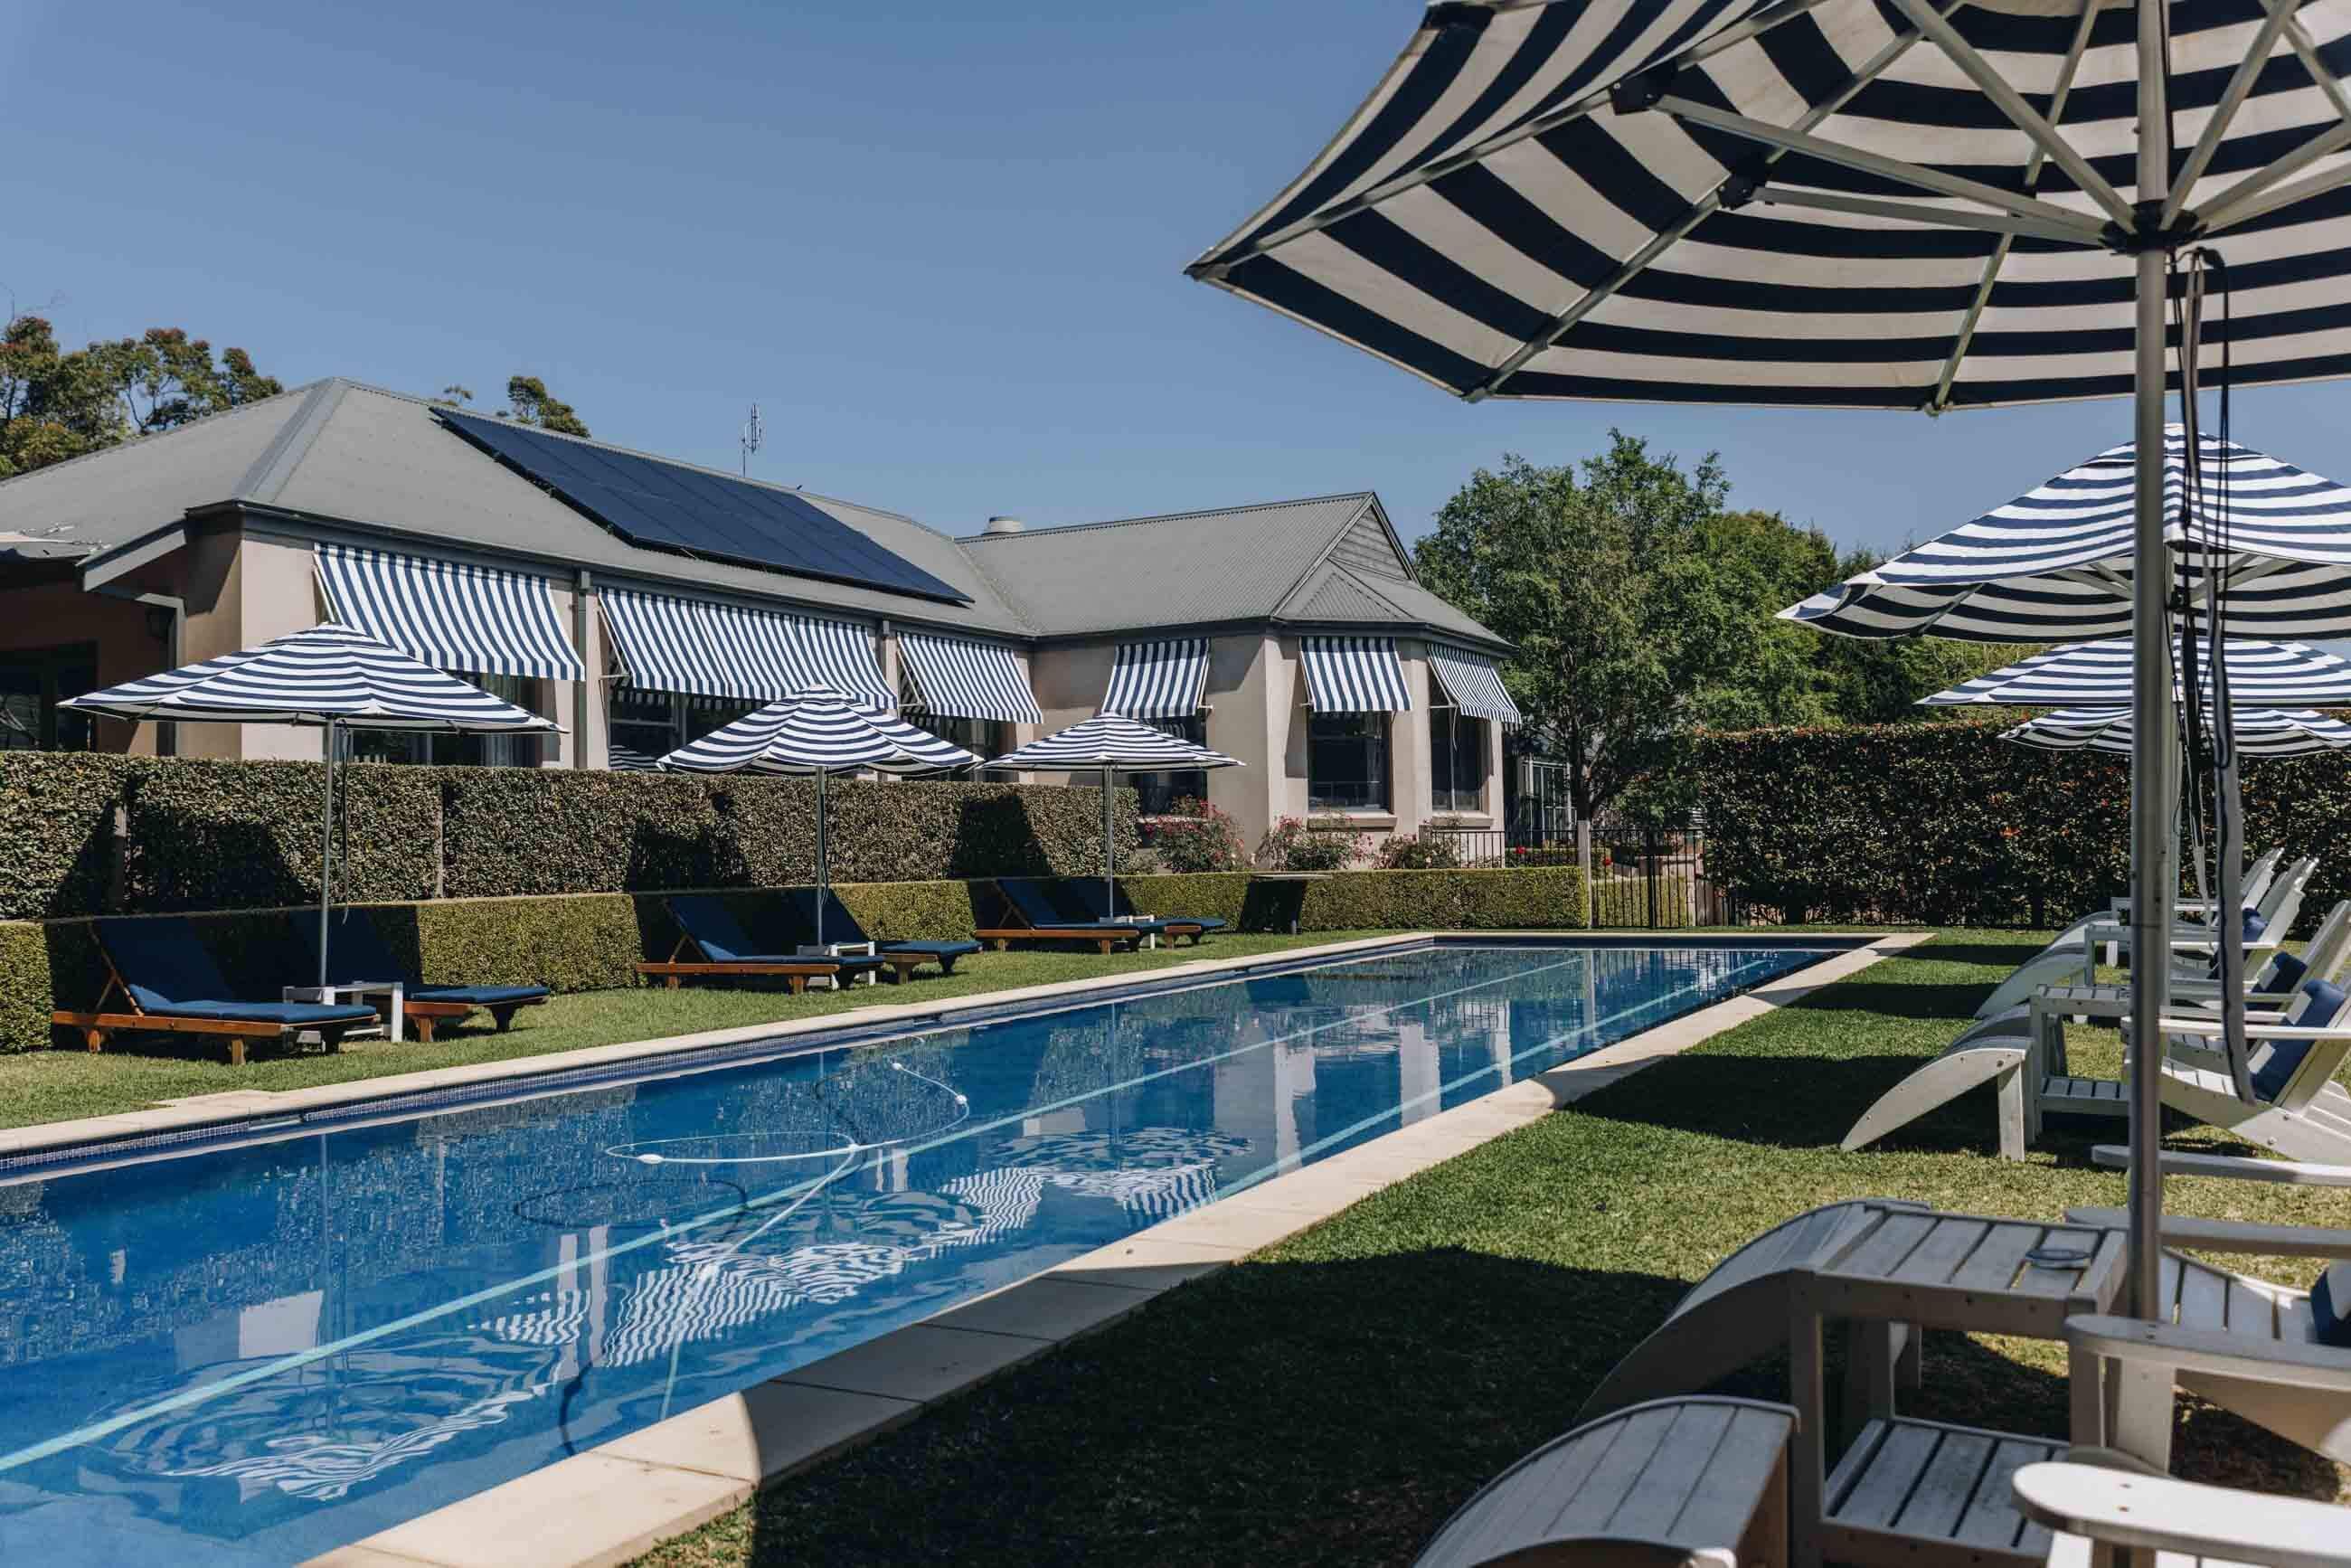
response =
{"points": [[1332, 1399], [137, 1072]]}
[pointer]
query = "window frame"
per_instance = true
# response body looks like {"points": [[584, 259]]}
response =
{"points": [[51, 667], [1377, 738], [1452, 737]]}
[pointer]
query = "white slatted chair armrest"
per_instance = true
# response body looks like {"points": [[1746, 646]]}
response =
{"points": [[2211, 1028], [2249, 1236], [2231, 1167], [2116, 1508], [2307, 1366]]}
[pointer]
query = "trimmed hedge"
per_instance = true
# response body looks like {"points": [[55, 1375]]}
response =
{"points": [[1948, 824], [244, 835], [229, 835], [594, 941], [57, 819]]}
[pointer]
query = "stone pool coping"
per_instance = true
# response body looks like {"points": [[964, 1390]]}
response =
{"points": [[615, 1502]]}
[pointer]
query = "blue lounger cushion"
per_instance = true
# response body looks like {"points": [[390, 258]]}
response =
{"points": [[357, 953], [1029, 899], [2275, 1062], [2330, 1306], [292, 1015], [167, 970], [1084, 894], [723, 940], [841, 925], [479, 996]]}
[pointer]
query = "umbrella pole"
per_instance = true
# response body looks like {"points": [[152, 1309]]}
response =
{"points": [[2153, 747], [823, 857], [327, 854], [1110, 876]]}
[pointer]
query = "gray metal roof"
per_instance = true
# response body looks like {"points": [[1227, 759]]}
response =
{"points": [[1268, 562], [342, 456]]}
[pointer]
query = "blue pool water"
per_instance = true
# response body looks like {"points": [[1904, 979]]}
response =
{"points": [[252, 1353]]}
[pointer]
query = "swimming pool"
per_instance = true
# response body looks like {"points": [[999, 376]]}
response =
{"points": [[253, 1352]]}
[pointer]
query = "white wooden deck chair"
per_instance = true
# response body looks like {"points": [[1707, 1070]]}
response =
{"points": [[1737, 1314], [1696, 1482], [2182, 1524], [2072, 957], [2248, 1345], [2031, 1078]]}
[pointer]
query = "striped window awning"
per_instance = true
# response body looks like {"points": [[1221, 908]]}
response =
{"points": [[1158, 680], [1473, 683], [1354, 675], [479, 618], [700, 649], [955, 677]]}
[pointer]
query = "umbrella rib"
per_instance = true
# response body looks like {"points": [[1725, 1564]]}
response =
{"points": [[2224, 112], [2006, 228], [1700, 211], [2307, 52], [2032, 165], [2245, 199], [1212, 268], [2286, 197], [2021, 114], [1899, 170]]}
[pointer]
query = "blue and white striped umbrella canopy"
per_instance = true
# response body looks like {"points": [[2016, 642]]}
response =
{"points": [[1112, 741], [2099, 674], [2056, 562], [327, 675], [1831, 203], [2260, 732], [817, 731]]}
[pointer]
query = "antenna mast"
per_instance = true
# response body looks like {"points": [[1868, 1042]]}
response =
{"points": [[754, 435]]}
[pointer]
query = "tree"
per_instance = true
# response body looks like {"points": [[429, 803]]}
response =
{"points": [[1644, 609], [1622, 620], [529, 402], [55, 405]]}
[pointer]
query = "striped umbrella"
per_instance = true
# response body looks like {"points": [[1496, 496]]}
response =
{"points": [[2056, 562], [818, 732], [331, 676], [2099, 674], [2259, 731], [1882, 204], [1112, 744]]}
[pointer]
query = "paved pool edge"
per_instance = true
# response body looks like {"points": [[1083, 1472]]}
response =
{"points": [[609, 1505]]}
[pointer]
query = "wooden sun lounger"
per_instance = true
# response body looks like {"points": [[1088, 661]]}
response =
{"points": [[1017, 925], [100, 1024], [795, 972]]}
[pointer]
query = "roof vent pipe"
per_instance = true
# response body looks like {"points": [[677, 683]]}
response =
{"points": [[1003, 526]]}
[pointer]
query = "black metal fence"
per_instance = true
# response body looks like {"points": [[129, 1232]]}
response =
{"points": [[1645, 875]]}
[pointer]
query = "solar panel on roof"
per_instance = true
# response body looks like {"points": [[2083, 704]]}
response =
{"points": [[667, 506]]}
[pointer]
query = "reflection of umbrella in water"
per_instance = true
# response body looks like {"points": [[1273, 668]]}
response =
{"points": [[820, 1252], [365, 1419], [1158, 1171]]}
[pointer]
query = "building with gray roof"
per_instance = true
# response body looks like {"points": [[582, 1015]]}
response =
{"points": [[1290, 634]]}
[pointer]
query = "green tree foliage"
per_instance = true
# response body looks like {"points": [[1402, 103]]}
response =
{"points": [[56, 405], [529, 402], [1644, 609]]}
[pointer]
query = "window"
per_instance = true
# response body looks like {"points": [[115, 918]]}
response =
{"points": [[1159, 792], [978, 735], [642, 726], [1347, 762], [455, 749], [1456, 761], [33, 681]]}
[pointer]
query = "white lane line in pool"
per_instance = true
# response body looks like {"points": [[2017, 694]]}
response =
{"points": [[300, 1359], [1301, 1157]]}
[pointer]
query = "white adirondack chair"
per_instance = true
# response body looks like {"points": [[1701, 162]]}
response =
{"points": [[2185, 1525], [2071, 959], [2246, 1344], [2029, 1069]]}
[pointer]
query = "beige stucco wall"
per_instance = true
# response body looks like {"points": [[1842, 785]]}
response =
{"points": [[62, 615]]}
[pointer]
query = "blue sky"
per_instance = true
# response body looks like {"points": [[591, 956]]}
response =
{"points": [[942, 245]]}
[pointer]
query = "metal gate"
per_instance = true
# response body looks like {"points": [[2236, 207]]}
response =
{"points": [[1651, 875]]}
